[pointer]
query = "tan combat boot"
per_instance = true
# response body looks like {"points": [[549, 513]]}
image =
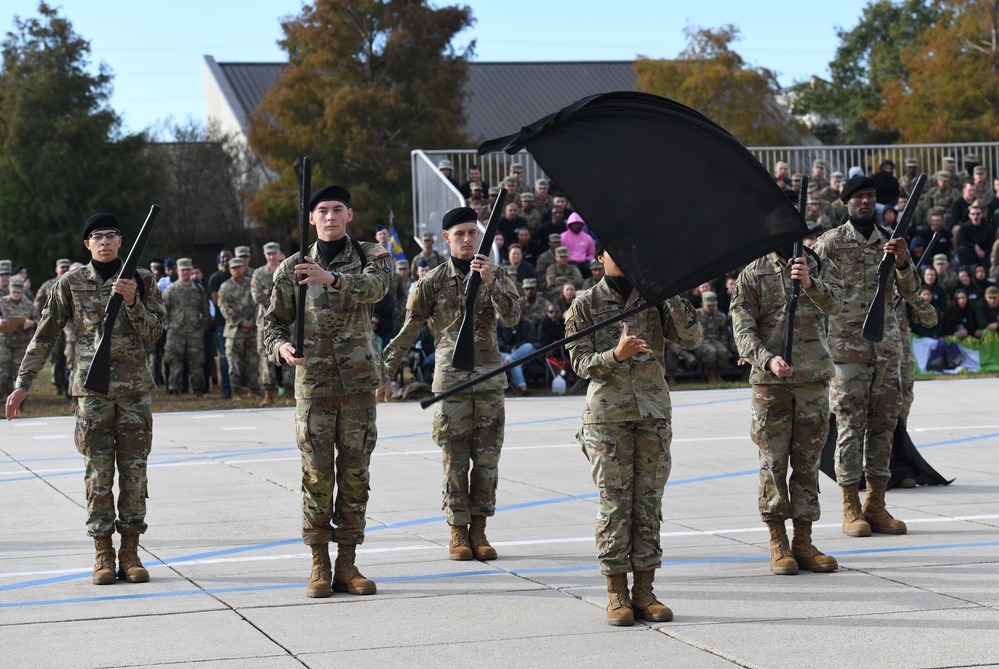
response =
{"points": [[619, 612], [854, 524], [346, 576], [477, 538], [104, 562], [807, 555], [321, 580], [782, 562], [129, 566], [459, 549], [644, 604], [876, 514], [268, 398]]}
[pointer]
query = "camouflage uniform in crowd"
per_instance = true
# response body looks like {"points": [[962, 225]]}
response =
{"points": [[713, 351], [556, 277], [934, 197], [112, 427], [187, 319], [467, 426], [261, 285], [534, 310], [13, 344], [399, 289], [790, 414], [334, 389], [60, 373], [238, 307], [627, 429], [432, 257], [865, 392]]}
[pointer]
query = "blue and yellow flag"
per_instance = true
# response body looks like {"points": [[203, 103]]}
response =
{"points": [[395, 245]]}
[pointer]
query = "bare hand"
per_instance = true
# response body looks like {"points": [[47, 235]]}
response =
{"points": [[799, 272], [14, 402], [484, 266], [628, 346], [28, 324], [287, 352], [384, 393], [248, 325], [313, 272], [780, 368], [125, 288], [897, 248], [979, 251]]}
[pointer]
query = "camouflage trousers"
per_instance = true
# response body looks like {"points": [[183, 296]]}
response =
{"points": [[336, 436], [241, 354], [790, 426], [189, 345], [469, 427], [115, 433], [58, 359], [865, 397], [712, 354], [10, 363], [630, 463]]}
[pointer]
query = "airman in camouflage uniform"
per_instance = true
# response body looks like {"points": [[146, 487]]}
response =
{"points": [[561, 273], [428, 253], [941, 196], [790, 403], [239, 311], [713, 350], [399, 290], [627, 430], [532, 305], [335, 380], [542, 198], [531, 213], [673, 354], [60, 375], [865, 393], [467, 426], [187, 319], [261, 285], [908, 179], [115, 427], [13, 344], [815, 214], [596, 273]]}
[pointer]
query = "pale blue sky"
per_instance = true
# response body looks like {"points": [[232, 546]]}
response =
{"points": [[156, 49]]}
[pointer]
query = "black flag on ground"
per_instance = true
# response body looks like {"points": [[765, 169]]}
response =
{"points": [[906, 462], [673, 196]]}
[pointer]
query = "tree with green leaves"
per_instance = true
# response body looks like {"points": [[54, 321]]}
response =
{"points": [[62, 153], [367, 82], [712, 78], [949, 88], [868, 58]]}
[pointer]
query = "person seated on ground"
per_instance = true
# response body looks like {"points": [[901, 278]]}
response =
{"points": [[561, 273], [935, 330], [946, 277], [532, 305], [520, 269], [959, 318], [580, 244], [982, 277], [975, 238], [939, 293], [987, 312], [917, 247], [529, 247], [514, 343], [971, 289], [596, 273], [565, 298], [713, 351], [552, 329]]}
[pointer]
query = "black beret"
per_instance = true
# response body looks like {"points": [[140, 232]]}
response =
{"points": [[855, 183], [100, 221], [459, 215], [327, 194]]}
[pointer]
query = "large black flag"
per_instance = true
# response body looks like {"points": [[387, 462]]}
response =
{"points": [[675, 198]]}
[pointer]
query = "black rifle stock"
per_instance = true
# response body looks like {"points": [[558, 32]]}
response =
{"points": [[874, 324], [304, 186], [927, 253], [787, 342], [464, 348], [544, 350], [99, 375]]}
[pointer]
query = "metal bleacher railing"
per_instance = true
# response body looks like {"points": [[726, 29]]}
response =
{"points": [[433, 195]]}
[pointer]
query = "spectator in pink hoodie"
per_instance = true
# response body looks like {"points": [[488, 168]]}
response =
{"points": [[580, 244]]}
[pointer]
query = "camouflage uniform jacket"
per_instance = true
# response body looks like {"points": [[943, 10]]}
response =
{"points": [[23, 308], [261, 285], [634, 389], [440, 296], [534, 311], [759, 314], [80, 296], [433, 259], [43, 293], [556, 277], [237, 305], [713, 325], [399, 289], [186, 308], [858, 260], [342, 354], [933, 198]]}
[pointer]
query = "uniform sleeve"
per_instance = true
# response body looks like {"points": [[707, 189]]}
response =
{"points": [[369, 286], [586, 360], [826, 292], [58, 310], [682, 326], [907, 282], [504, 296], [148, 314], [417, 311], [745, 311], [227, 305], [257, 290], [280, 314], [923, 313]]}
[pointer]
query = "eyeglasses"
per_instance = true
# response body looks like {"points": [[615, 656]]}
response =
{"points": [[100, 236]]}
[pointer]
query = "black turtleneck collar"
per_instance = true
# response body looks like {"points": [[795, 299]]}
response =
{"points": [[463, 266], [106, 270], [331, 250], [866, 228], [619, 284]]}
